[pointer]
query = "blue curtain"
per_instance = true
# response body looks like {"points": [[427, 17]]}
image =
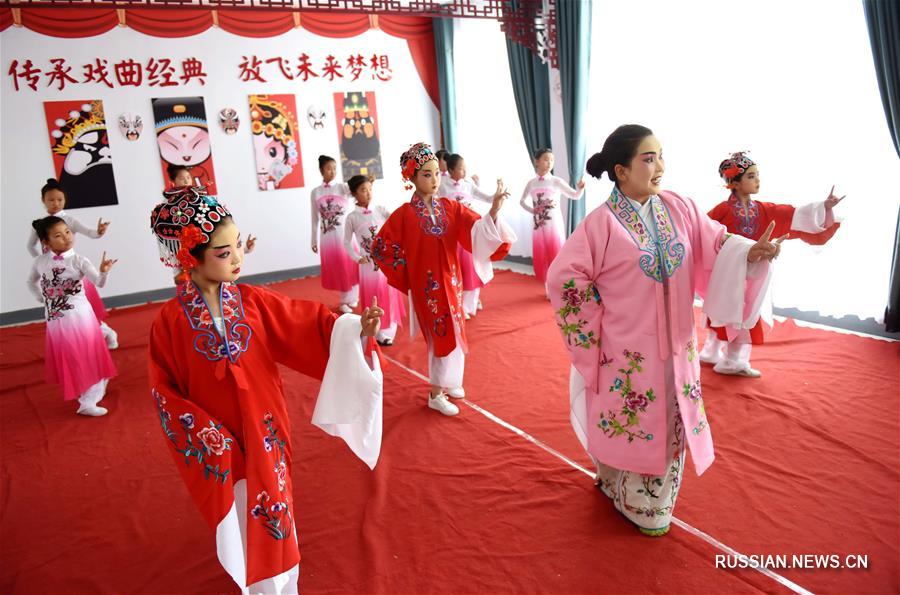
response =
{"points": [[443, 46], [531, 87], [883, 21], [573, 42]]}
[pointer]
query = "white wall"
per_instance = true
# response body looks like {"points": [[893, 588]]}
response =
{"points": [[280, 218], [793, 82]]}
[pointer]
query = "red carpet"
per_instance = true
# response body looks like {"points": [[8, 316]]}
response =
{"points": [[807, 463]]}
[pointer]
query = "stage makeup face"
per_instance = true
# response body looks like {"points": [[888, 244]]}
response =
{"points": [[222, 259], [427, 179], [749, 182], [54, 200], [184, 145], [643, 176]]}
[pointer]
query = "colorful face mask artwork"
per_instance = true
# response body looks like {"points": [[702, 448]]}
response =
{"points": [[130, 125], [79, 144], [183, 137], [276, 143], [357, 124], [316, 117], [229, 121]]}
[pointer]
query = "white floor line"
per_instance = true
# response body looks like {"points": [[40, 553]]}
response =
{"points": [[690, 529]]}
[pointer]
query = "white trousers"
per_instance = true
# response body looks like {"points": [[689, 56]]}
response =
{"points": [[352, 296], [93, 395], [446, 372]]}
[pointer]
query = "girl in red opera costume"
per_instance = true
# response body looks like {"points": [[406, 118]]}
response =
{"points": [[729, 347], [76, 356], [54, 198], [214, 351], [416, 250]]}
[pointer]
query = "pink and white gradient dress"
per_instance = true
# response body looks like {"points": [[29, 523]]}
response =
{"points": [[465, 192], [35, 248], [363, 224], [330, 205], [76, 354], [549, 231]]}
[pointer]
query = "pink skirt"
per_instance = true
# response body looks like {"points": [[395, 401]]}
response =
{"points": [[76, 356], [545, 246], [339, 272], [96, 301], [374, 283], [470, 278]]}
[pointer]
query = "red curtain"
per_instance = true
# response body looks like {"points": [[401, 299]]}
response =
{"points": [[183, 22]]}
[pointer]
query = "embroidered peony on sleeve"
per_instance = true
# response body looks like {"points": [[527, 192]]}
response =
{"points": [[203, 450], [389, 251], [576, 301]]}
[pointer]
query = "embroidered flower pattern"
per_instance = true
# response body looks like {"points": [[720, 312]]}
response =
{"points": [[543, 210], [667, 248], [210, 343], [212, 440], [381, 257], [331, 209], [366, 241], [276, 517], [693, 392], [626, 421], [440, 224], [747, 216], [57, 290], [691, 350], [568, 319]]}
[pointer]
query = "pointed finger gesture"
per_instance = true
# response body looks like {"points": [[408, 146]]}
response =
{"points": [[106, 263], [371, 319], [832, 200]]}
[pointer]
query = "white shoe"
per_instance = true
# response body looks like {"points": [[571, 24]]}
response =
{"points": [[346, 309], [440, 403], [354, 304], [110, 336], [92, 411], [480, 307], [457, 393], [730, 369], [467, 316], [711, 356]]}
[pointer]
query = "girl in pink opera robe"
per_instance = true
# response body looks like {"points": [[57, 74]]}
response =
{"points": [[76, 356], [545, 191], [330, 204], [456, 187], [214, 351], [54, 198], [623, 289], [728, 348], [362, 225]]}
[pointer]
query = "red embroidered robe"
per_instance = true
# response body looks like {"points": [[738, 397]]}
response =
{"points": [[418, 255], [221, 405]]}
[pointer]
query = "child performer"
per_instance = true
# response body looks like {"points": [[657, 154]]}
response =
{"points": [[330, 205], [214, 351], [549, 230], [623, 289], [364, 222], [77, 357], [442, 155], [416, 250], [54, 198], [458, 188], [729, 348]]}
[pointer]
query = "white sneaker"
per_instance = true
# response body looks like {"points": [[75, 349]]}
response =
{"points": [[440, 403], [457, 393], [711, 352], [346, 309], [467, 316], [730, 369], [92, 411]]}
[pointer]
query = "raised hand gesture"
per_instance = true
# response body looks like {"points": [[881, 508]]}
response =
{"points": [[107, 263], [251, 244], [500, 197], [832, 200], [371, 319], [101, 226], [763, 249]]}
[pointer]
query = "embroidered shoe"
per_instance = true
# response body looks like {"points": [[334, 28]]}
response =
{"points": [[440, 403], [654, 532], [92, 411], [457, 393], [346, 309]]}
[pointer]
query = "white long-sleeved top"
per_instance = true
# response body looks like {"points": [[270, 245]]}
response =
{"points": [[324, 189], [464, 191], [34, 246], [545, 192], [364, 223], [55, 281]]}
